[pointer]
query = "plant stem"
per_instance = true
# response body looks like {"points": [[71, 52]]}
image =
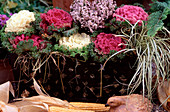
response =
{"points": [[60, 75], [101, 82], [166, 30]]}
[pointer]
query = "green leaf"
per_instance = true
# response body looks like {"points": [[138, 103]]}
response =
{"points": [[71, 31], [158, 6], [73, 54], [154, 23], [56, 47], [165, 13]]}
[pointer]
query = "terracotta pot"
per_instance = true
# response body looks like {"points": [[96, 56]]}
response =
{"points": [[65, 4], [6, 73]]}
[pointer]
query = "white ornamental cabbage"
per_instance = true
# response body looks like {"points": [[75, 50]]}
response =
{"points": [[75, 41], [19, 21]]}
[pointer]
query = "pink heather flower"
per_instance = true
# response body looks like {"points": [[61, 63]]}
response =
{"points": [[106, 42], [37, 40], [56, 17], [131, 13], [92, 15]]}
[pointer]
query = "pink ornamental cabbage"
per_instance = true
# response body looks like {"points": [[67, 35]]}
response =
{"points": [[106, 42], [56, 17], [37, 41], [131, 13]]}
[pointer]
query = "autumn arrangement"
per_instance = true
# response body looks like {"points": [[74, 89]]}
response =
{"points": [[97, 30]]}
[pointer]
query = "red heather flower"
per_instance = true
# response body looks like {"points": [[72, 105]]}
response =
{"points": [[106, 42], [37, 40], [131, 13], [56, 17]]}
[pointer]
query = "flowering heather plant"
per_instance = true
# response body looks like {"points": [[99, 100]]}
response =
{"points": [[57, 18], [131, 13], [3, 19], [92, 15], [104, 43]]}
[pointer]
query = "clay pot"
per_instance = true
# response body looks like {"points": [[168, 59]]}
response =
{"points": [[65, 4], [6, 73]]}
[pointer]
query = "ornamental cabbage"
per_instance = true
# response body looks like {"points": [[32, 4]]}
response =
{"points": [[57, 18], [131, 13], [19, 21], [104, 43], [75, 41], [38, 41]]}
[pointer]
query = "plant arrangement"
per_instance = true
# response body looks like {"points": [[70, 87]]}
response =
{"points": [[99, 31], [55, 30]]}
